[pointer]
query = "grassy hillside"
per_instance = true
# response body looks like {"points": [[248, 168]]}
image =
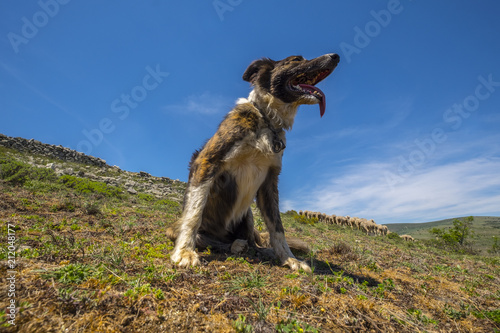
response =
{"points": [[90, 256], [484, 227]]}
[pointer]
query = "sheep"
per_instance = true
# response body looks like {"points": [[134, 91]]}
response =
{"points": [[358, 223], [343, 220], [385, 230], [364, 226], [322, 217], [407, 238], [354, 222]]}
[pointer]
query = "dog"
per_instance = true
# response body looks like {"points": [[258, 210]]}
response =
{"points": [[242, 161]]}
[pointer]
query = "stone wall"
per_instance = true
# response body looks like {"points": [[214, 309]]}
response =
{"points": [[95, 169], [59, 152]]}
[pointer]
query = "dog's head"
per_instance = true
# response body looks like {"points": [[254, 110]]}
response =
{"points": [[293, 79]]}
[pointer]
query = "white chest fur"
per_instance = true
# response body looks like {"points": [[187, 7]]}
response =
{"points": [[249, 164]]}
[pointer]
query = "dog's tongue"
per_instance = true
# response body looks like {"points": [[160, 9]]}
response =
{"points": [[318, 94]]}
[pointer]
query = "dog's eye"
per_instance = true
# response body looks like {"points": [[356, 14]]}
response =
{"points": [[296, 59]]}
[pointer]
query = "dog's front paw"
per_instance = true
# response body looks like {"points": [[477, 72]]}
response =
{"points": [[295, 265], [185, 258]]}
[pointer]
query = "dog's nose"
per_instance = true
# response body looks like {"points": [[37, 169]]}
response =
{"points": [[335, 57]]}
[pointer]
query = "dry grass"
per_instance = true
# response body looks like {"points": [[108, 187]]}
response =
{"points": [[88, 263]]}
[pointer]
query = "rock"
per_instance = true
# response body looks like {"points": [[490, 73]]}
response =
{"points": [[59, 152], [94, 168]]}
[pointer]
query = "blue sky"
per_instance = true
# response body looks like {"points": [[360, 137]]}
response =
{"points": [[412, 126]]}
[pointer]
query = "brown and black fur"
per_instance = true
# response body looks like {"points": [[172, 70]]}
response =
{"points": [[242, 161]]}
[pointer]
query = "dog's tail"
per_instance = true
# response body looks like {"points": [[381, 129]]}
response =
{"points": [[172, 233], [295, 243]]}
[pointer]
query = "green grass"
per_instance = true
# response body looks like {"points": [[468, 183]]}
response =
{"points": [[18, 173], [293, 325], [86, 186], [248, 281], [97, 259], [484, 227], [72, 273]]}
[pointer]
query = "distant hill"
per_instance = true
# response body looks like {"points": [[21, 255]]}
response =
{"points": [[484, 227]]}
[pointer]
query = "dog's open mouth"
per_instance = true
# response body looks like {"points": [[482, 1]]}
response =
{"points": [[305, 83]]}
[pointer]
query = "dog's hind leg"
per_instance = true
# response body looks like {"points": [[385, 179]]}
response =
{"points": [[184, 252], [268, 203]]}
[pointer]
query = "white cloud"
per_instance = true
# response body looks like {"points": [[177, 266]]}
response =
{"points": [[205, 104], [469, 187], [397, 110]]}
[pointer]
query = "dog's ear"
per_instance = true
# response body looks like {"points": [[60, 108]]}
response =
{"points": [[257, 67]]}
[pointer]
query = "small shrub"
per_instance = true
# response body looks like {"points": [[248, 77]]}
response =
{"points": [[421, 317], [146, 197], [259, 223], [457, 314], [293, 325], [304, 220], [457, 238], [144, 289], [72, 273], [261, 309], [168, 205], [66, 206], [42, 186], [495, 248], [394, 235], [253, 280], [92, 208], [75, 227], [386, 286], [30, 253], [493, 315], [18, 173], [83, 185], [345, 250], [241, 326]]}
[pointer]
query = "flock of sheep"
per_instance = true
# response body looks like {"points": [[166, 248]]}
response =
{"points": [[367, 226]]}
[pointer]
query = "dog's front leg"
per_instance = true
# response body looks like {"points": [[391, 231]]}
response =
{"points": [[268, 203], [196, 197]]}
